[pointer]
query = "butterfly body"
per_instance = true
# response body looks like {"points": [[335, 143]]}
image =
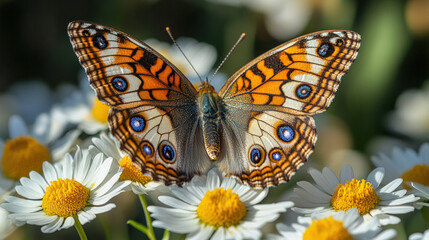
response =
{"points": [[210, 109], [258, 127]]}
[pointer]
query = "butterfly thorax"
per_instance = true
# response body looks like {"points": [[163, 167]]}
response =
{"points": [[209, 108]]}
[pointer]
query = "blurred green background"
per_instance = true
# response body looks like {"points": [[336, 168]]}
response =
{"points": [[394, 57]]}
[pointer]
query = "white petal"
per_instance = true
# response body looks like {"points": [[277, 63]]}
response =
{"points": [[346, 173], [49, 172], [385, 219], [63, 145], [219, 234], [68, 223], [314, 191], [36, 177], [105, 187], [14, 208], [203, 233], [100, 209], [162, 213], [187, 196], [178, 226], [101, 173], [330, 177], [397, 209], [320, 180], [85, 217], [23, 202], [54, 226], [399, 201], [95, 163], [390, 187], [41, 128], [261, 195], [116, 190], [375, 177], [28, 192], [40, 218], [17, 127], [213, 179], [175, 203], [34, 186]]}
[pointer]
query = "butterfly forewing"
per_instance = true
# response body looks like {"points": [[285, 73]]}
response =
{"points": [[125, 72], [298, 77]]}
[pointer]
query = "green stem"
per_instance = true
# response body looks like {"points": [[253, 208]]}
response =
{"points": [[425, 212], [79, 228], [151, 233], [166, 235], [138, 226], [105, 224]]}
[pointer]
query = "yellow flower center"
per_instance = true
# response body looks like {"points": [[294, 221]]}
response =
{"points": [[132, 172], [22, 155], [65, 198], [419, 174], [221, 208], [355, 193], [326, 229], [100, 111]]}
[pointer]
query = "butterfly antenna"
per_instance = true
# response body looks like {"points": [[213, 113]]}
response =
{"points": [[177, 45], [229, 53]]}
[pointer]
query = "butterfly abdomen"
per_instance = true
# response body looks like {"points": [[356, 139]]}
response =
{"points": [[209, 107]]}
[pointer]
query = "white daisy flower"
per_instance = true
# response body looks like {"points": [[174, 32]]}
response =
{"points": [[341, 225], [83, 108], [406, 164], [420, 236], [77, 188], [26, 149], [140, 183], [411, 116], [216, 207], [330, 194]]}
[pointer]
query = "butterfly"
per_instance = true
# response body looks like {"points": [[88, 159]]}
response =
{"points": [[257, 128]]}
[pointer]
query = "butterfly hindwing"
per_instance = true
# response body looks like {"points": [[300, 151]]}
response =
{"points": [[276, 145], [157, 139], [298, 77]]}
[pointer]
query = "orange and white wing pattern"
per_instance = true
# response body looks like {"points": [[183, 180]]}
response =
{"points": [[153, 110], [271, 100], [124, 71], [299, 77]]}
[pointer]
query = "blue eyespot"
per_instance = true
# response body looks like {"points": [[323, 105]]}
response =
{"points": [[137, 123], [325, 50], [168, 152], [147, 149], [276, 156], [285, 133], [99, 42], [303, 91], [119, 83], [255, 156]]}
